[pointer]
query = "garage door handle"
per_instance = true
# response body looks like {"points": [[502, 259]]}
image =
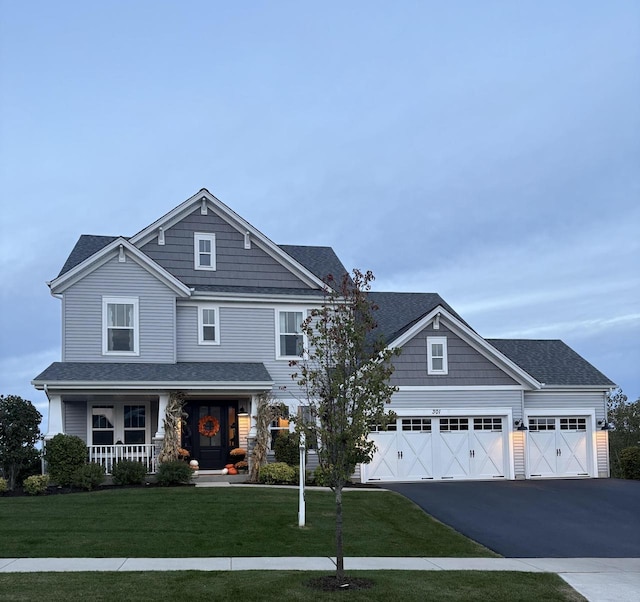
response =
{"points": [[399, 455], [472, 453]]}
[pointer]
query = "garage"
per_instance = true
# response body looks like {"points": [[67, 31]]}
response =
{"points": [[559, 446], [451, 447]]}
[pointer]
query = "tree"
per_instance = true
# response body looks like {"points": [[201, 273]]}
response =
{"points": [[345, 374], [624, 419], [19, 433]]}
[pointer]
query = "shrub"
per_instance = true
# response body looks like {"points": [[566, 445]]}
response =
{"points": [[286, 449], [630, 463], [3, 485], [321, 476], [36, 484], [278, 473], [174, 473], [64, 455], [88, 476], [128, 472]]}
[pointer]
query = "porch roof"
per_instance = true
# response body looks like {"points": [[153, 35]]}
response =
{"points": [[200, 375]]}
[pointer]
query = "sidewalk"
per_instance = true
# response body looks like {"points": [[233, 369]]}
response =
{"points": [[597, 579]]}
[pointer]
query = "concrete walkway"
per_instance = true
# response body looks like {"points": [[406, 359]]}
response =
{"points": [[597, 579]]}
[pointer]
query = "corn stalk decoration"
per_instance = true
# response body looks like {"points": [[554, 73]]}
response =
{"points": [[268, 410], [173, 419]]}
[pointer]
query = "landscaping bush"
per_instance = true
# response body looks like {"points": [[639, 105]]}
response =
{"points": [[3, 485], [286, 449], [128, 472], [36, 484], [88, 476], [64, 455], [321, 477], [278, 473], [174, 473], [630, 463]]}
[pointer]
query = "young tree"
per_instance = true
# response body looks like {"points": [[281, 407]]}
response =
{"points": [[624, 418], [345, 373], [19, 432]]}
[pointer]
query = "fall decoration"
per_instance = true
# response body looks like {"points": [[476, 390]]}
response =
{"points": [[208, 426]]}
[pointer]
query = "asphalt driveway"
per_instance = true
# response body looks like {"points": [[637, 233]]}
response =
{"points": [[590, 518]]}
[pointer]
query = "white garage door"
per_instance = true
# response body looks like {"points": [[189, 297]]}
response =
{"points": [[419, 449], [558, 447]]}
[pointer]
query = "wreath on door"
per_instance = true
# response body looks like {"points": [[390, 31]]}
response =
{"points": [[208, 426]]}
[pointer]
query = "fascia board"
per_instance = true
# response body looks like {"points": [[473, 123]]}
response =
{"points": [[254, 298], [474, 340], [237, 222], [581, 388], [98, 259], [145, 385]]}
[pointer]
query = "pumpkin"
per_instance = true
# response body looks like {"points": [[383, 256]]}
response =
{"points": [[233, 471]]}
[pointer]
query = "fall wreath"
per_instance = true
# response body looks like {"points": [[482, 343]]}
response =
{"points": [[208, 426]]}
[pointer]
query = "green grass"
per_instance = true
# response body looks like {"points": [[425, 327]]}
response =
{"points": [[264, 586], [185, 521]]}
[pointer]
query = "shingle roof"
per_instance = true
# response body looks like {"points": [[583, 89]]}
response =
{"points": [[87, 245], [397, 312], [551, 362], [211, 372], [321, 261]]}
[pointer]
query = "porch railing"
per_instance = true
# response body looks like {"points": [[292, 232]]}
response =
{"points": [[108, 455]]}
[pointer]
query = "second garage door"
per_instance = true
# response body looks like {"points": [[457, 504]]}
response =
{"points": [[419, 449]]}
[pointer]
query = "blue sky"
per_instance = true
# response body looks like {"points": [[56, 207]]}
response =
{"points": [[487, 151]]}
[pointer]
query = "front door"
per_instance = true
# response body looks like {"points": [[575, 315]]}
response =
{"points": [[211, 432]]}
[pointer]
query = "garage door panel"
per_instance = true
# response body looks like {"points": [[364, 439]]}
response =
{"points": [[384, 464], [572, 459], [455, 454], [488, 456], [416, 462]]}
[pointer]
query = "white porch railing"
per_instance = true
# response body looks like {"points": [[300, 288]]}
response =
{"points": [[108, 455]]}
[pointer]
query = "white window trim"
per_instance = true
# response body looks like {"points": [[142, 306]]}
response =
{"points": [[445, 364], [197, 237], [216, 325], [106, 301], [278, 311], [118, 425]]}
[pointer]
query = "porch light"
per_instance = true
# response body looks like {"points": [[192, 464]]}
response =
{"points": [[242, 411], [520, 425], [604, 425]]}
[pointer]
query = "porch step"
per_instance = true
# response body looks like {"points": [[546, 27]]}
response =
{"points": [[210, 478]]}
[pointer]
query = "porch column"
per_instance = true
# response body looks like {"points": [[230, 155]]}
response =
{"points": [[163, 400], [56, 424]]}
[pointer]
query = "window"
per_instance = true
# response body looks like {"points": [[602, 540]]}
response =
{"points": [[453, 424], [208, 329], [421, 425], [381, 428], [542, 424], [290, 340], [120, 326], [279, 426], [578, 425], [119, 423], [488, 424], [305, 416], [437, 355], [204, 251]]}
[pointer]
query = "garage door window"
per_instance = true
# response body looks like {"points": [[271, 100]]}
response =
{"points": [[488, 424], [542, 424], [422, 425], [454, 424], [577, 425], [380, 428]]}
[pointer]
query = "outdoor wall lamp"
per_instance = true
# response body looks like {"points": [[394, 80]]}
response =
{"points": [[604, 426], [520, 426], [242, 411]]}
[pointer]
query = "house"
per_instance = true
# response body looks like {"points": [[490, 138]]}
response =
{"points": [[203, 303]]}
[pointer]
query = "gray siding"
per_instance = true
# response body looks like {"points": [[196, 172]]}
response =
{"points": [[456, 399], [556, 402], [235, 265], [83, 314], [466, 367], [75, 419]]}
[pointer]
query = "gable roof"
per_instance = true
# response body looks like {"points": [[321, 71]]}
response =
{"points": [[551, 362], [322, 261], [87, 245]]}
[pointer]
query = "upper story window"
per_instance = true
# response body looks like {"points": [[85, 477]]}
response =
{"points": [[437, 355], [290, 341], [208, 325], [204, 251], [120, 326]]}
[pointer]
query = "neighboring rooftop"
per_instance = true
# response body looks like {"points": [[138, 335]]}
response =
{"points": [[551, 362]]}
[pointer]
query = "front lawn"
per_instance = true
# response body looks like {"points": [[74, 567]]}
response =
{"points": [[264, 586], [204, 522]]}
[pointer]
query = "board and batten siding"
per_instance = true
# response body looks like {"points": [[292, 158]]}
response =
{"points": [[466, 366], [235, 265], [82, 314]]}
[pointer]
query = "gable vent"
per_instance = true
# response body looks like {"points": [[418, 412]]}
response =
{"points": [[161, 235], [247, 240], [203, 207]]}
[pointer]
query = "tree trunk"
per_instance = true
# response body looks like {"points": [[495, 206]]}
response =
{"points": [[339, 552]]}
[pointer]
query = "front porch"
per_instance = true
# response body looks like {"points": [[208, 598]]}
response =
{"points": [[108, 455]]}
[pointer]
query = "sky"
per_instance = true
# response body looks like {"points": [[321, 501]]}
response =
{"points": [[487, 151]]}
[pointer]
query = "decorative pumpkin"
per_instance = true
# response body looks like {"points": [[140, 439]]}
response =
{"points": [[224, 471], [229, 466], [233, 471]]}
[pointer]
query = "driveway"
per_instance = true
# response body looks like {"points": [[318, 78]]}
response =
{"points": [[590, 518]]}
